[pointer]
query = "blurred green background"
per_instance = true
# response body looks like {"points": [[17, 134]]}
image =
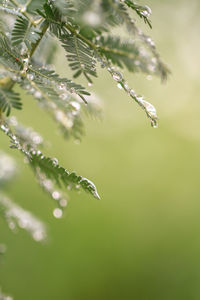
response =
{"points": [[142, 240]]}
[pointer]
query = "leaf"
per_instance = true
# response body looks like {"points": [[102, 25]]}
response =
{"points": [[80, 56], [65, 8], [47, 76], [55, 172], [143, 12], [122, 53], [9, 57], [115, 13], [8, 100], [17, 217], [49, 166], [24, 32]]}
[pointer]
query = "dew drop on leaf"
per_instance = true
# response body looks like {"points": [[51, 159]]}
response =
{"points": [[117, 76], [58, 213]]}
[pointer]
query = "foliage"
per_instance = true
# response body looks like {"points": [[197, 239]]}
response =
{"points": [[30, 31]]}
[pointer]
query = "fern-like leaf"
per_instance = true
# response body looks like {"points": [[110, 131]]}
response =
{"points": [[9, 99], [46, 76], [23, 32], [55, 172], [50, 167], [143, 12], [122, 53], [80, 56], [9, 57]]}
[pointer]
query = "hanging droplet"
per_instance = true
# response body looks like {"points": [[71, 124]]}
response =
{"points": [[148, 106], [58, 213], [56, 195], [63, 202], [148, 9], [146, 12], [155, 125]]}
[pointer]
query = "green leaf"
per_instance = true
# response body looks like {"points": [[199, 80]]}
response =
{"points": [[20, 218], [80, 56], [55, 172], [50, 167], [9, 57], [143, 12], [8, 100], [24, 32]]}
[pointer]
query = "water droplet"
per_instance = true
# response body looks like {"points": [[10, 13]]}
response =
{"points": [[63, 202], [4, 128], [55, 161], [150, 42], [92, 18], [148, 9], [30, 76], [119, 86], [36, 138], [126, 87], [38, 95], [89, 84], [23, 9], [56, 195], [154, 124], [152, 68], [132, 93], [75, 105], [58, 213], [64, 96], [61, 86], [72, 90], [38, 235], [117, 76], [148, 106], [25, 60]]}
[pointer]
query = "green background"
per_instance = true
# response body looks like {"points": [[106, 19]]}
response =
{"points": [[142, 240]]}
